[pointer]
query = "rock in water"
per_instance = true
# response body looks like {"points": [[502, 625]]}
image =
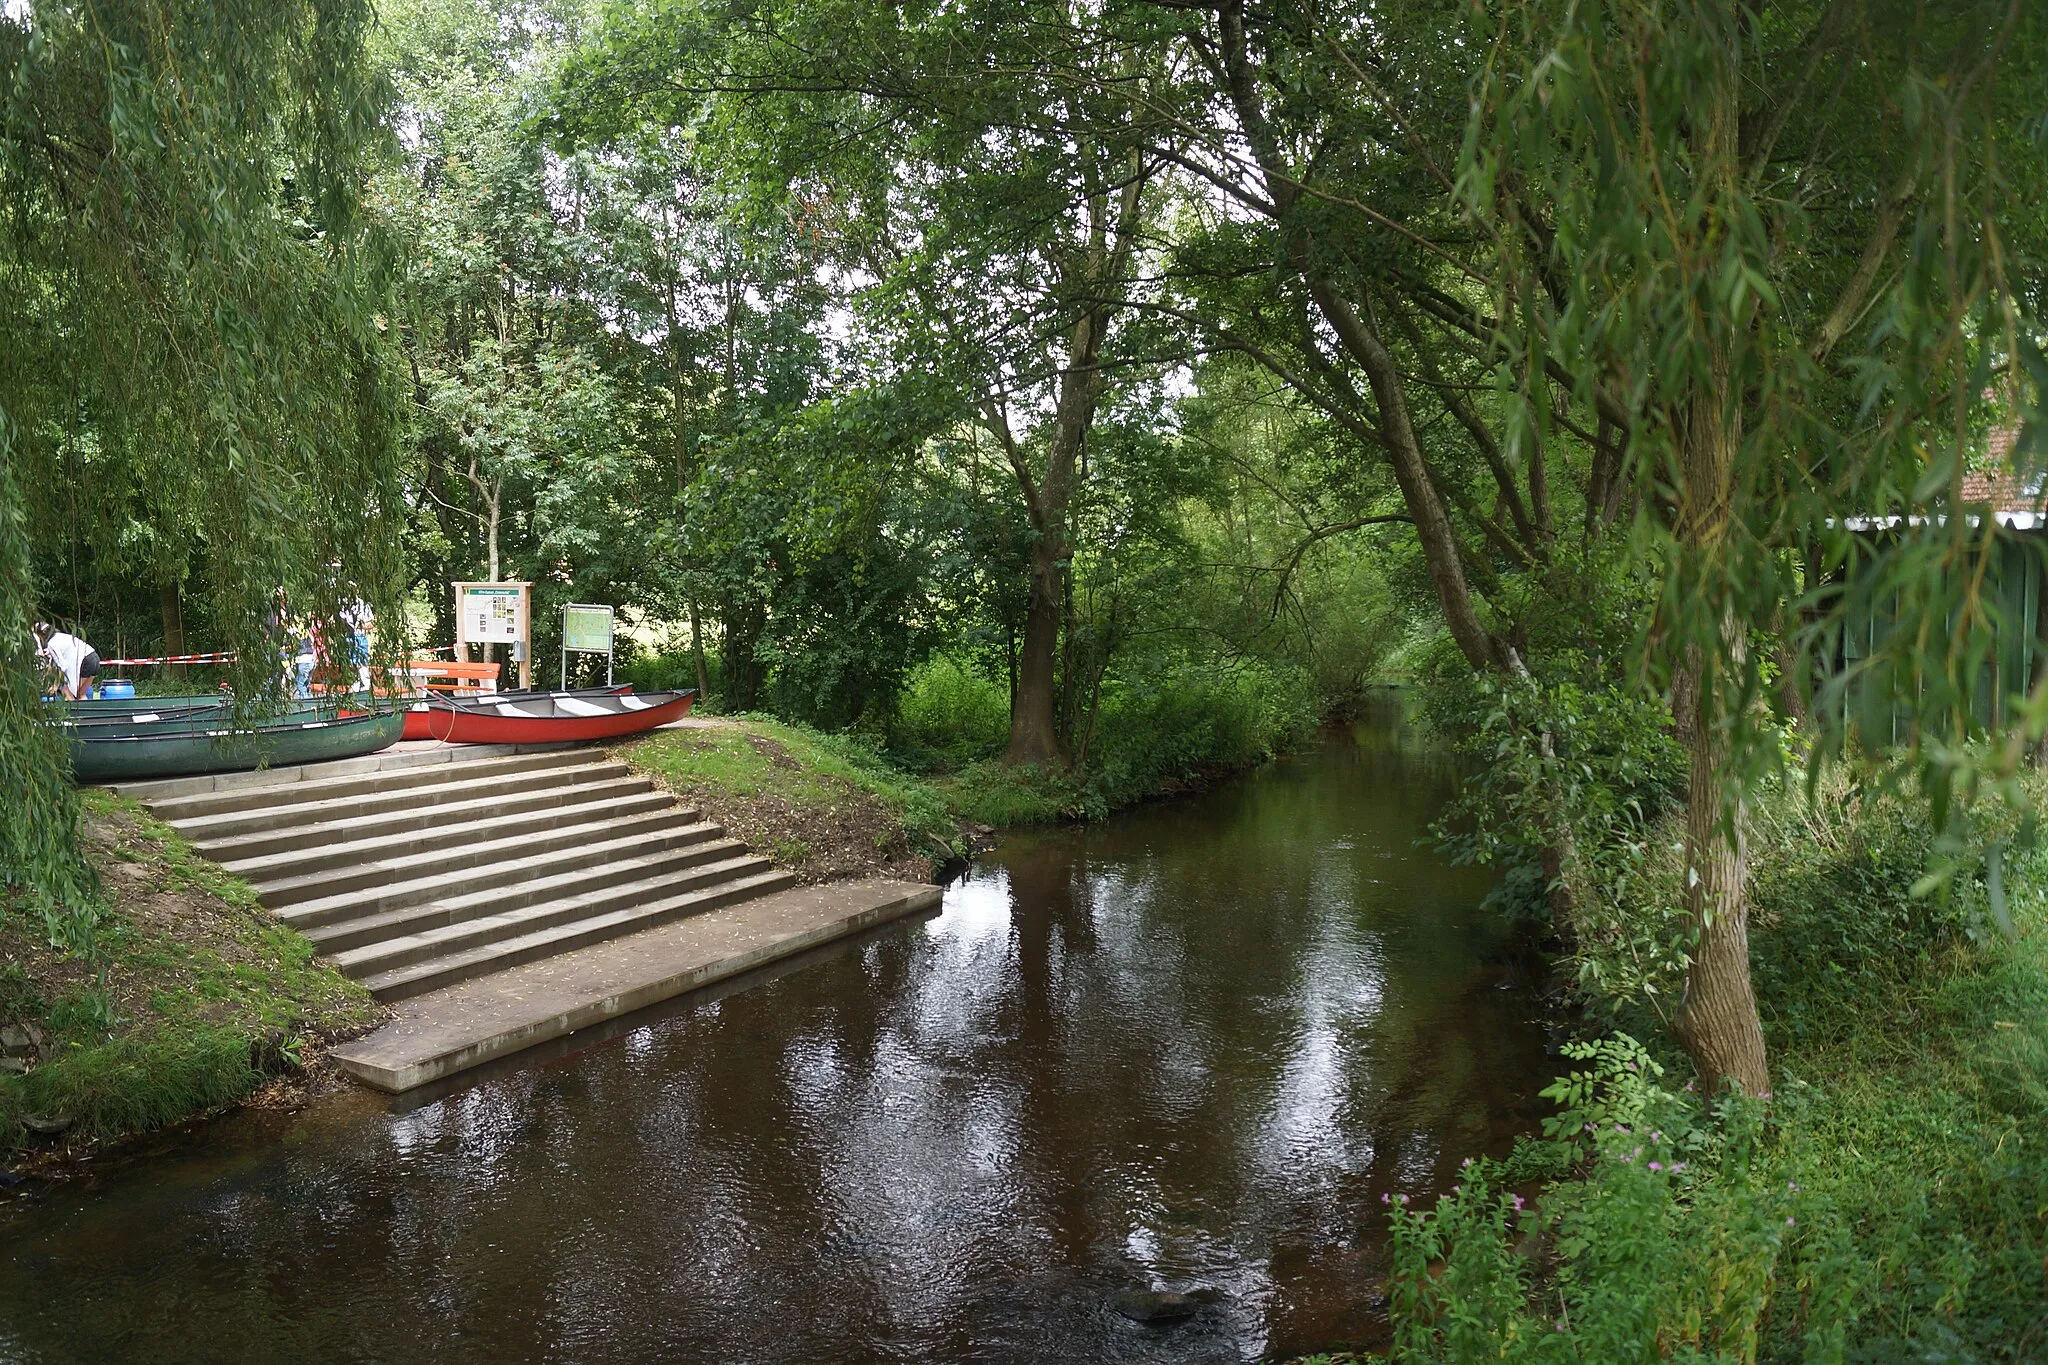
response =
{"points": [[1154, 1305]]}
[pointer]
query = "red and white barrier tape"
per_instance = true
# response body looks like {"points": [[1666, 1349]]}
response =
{"points": [[224, 658]]}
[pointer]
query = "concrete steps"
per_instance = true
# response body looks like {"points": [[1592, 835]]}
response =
{"points": [[355, 820], [448, 1031], [506, 895], [549, 940], [416, 870], [522, 861], [396, 872], [310, 789], [342, 851], [621, 875]]}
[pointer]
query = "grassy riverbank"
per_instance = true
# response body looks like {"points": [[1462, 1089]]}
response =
{"points": [[1151, 736], [834, 805], [189, 998], [822, 805], [1890, 1201]]}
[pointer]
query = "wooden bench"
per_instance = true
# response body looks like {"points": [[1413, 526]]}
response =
{"points": [[436, 675]]}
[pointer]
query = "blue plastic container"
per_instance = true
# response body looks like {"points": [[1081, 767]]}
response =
{"points": [[117, 689]]}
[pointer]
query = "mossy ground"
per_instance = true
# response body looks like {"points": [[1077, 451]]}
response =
{"points": [[819, 804], [192, 997]]}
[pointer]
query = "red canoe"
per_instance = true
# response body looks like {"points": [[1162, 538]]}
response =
{"points": [[416, 714], [543, 717]]}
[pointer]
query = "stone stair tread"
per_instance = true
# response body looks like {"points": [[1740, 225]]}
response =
{"points": [[602, 845], [404, 868], [391, 925], [574, 934], [255, 868], [444, 1032], [353, 805], [577, 907], [335, 815], [240, 800], [402, 758]]}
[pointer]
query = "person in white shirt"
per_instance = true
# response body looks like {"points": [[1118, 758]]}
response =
{"points": [[76, 660]]}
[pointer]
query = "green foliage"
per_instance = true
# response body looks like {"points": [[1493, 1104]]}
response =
{"points": [[195, 370], [667, 670], [1177, 724], [1668, 1246], [949, 716], [39, 826], [206, 1017], [134, 1084], [1904, 1142], [1599, 762]]}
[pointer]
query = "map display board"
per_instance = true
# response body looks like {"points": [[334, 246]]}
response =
{"points": [[586, 629], [491, 614]]}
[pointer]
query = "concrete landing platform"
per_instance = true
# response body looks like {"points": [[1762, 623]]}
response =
{"points": [[448, 1031]]}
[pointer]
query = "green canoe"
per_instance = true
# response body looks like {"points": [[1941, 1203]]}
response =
{"points": [[117, 753], [104, 708]]}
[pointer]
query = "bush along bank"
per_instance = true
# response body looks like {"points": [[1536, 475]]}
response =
{"points": [[1888, 1202], [184, 996], [1150, 733]]}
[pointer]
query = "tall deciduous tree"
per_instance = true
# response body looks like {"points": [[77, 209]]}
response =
{"points": [[994, 246]]}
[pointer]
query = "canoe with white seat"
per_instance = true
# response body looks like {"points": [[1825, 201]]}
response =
{"points": [[544, 717]]}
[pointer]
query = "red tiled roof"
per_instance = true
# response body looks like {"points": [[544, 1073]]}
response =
{"points": [[1999, 486]]}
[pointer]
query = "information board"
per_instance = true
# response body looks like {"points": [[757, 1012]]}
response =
{"points": [[490, 615]]}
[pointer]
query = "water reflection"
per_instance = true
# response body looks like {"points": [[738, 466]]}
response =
{"points": [[1189, 1048]]}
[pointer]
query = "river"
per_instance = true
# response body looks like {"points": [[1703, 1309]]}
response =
{"points": [[1186, 1049]]}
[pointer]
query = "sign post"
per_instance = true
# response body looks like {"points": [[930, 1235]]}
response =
{"points": [[586, 629], [496, 614]]}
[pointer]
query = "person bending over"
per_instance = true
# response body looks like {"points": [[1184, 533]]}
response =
{"points": [[77, 661]]}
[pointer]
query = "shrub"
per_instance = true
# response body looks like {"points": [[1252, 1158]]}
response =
{"points": [[950, 716], [1671, 1244], [1887, 1202], [1158, 730]]}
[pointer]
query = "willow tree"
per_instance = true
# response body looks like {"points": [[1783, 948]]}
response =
{"points": [[192, 292], [1726, 271], [1771, 237]]}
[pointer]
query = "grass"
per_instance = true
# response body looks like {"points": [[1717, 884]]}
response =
{"points": [[193, 996], [761, 760], [995, 794]]}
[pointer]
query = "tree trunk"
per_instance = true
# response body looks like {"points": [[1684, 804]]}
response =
{"points": [[1717, 1018], [1034, 731], [743, 625], [1034, 714], [697, 648], [496, 504]]}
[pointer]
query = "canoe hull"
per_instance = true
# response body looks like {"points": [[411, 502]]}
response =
{"points": [[134, 757], [463, 726]]}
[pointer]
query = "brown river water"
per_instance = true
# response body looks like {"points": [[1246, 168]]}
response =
{"points": [[1186, 1049]]}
